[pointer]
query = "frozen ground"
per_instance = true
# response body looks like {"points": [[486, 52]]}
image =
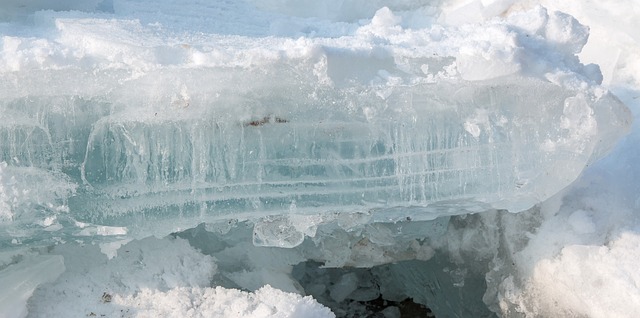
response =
{"points": [[357, 135]]}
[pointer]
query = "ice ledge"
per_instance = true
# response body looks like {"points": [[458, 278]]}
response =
{"points": [[266, 151], [158, 135]]}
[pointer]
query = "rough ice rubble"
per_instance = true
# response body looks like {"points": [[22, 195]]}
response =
{"points": [[152, 278]]}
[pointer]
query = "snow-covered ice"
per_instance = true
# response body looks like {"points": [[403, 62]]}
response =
{"points": [[440, 120], [267, 138], [157, 278]]}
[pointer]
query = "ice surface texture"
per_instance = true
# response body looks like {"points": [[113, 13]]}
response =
{"points": [[126, 128]]}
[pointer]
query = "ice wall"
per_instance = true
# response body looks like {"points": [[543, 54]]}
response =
{"points": [[132, 129]]}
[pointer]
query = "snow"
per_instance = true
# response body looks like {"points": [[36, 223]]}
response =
{"points": [[581, 262], [220, 302], [21, 278], [106, 126], [570, 280], [153, 278]]}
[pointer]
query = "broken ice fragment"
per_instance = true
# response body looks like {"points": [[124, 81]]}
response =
{"points": [[276, 231], [343, 287]]}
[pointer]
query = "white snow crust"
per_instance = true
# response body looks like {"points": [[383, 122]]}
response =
{"points": [[156, 278]]}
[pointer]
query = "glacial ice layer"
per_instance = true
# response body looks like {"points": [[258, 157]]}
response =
{"points": [[120, 128]]}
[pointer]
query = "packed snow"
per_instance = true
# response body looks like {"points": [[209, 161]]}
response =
{"points": [[319, 158]]}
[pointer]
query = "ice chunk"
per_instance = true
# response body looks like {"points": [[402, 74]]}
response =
{"points": [[161, 128], [346, 285], [138, 266], [142, 276], [441, 149], [19, 10], [391, 312], [21, 276], [26, 209], [422, 146], [278, 232]]}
